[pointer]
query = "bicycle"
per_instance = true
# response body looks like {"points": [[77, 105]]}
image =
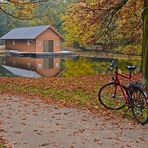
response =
{"points": [[115, 95]]}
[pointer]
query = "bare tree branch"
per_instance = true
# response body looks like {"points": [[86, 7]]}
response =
{"points": [[107, 20], [16, 17], [25, 2], [19, 4]]}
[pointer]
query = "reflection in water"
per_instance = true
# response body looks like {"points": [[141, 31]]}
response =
{"points": [[43, 66]]}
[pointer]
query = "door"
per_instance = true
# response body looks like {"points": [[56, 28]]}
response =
{"points": [[48, 46], [48, 63]]}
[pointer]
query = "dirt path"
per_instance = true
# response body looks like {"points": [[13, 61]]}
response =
{"points": [[33, 124]]}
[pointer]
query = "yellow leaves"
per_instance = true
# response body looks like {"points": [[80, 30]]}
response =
{"points": [[93, 5], [84, 22], [82, 67], [82, 4], [77, 25], [19, 9], [132, 50]]}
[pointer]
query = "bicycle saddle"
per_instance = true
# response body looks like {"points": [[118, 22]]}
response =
{"points": [[131, 67]]}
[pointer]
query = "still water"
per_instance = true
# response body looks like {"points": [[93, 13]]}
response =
{"points": [[36, 67], [29, 67]]}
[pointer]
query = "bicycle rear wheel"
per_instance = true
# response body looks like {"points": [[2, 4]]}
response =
{"points": [[140, 106], [111, 97]]}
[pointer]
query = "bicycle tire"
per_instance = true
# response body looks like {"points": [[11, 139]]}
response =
{"points": [[139, 106], [107, 99]]}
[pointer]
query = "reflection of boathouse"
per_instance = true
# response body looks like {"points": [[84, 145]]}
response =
{"points": [[43, 66]]}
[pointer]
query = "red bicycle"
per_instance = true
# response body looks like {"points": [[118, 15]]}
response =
{"points": [[116, 95]]}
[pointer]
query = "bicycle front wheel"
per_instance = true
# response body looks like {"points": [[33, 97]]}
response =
{"points": [[111, 97], [140, 106]]}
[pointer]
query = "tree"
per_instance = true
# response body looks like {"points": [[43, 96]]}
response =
{"points": [[19, 9], [94, 21], [33, 12], [50, 13], [16, 13], [99, 21], [145, 43]]}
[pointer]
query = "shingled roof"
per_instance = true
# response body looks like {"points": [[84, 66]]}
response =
{"points": [[28, 32]]}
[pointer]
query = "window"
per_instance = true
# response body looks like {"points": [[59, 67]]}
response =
{"points": [[13, 42], [14, 62], [39, 43], [39, 66], [29, 65], [57, 65], [57, 43], [28, 42]]}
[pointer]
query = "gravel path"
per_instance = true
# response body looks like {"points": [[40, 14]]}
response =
{"points": [[33, 123]]}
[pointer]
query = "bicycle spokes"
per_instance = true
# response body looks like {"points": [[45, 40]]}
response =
{"points": [[140, 106], [111, 97]]}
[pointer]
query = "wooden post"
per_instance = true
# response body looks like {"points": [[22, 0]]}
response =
{"points": [[145, 44]]}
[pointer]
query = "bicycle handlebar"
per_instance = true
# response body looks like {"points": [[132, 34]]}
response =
{"points": [[111, 66]]}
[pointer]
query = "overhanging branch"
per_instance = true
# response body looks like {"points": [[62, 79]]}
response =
{"points": [[16, 17], [19, 3], [110, 13]]}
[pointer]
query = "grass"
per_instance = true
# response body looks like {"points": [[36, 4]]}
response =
{"points": [[79, 97], [1, 146], [80, 91]]}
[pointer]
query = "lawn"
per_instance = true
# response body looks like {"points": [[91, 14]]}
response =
{"points": [[80, 91], [72, 92]]}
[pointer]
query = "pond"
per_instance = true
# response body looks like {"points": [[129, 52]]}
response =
{"points": [[29, 67], [36, 67]]}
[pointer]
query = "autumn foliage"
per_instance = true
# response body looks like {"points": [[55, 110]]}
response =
{"points": [[91, 22], [77, 91], [19, 9]]}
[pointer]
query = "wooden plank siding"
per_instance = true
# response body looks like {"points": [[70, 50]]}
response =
{"points": [[48, 35], [21, 45], [36, 45]]}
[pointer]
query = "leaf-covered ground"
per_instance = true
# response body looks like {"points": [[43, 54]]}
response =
{"points": [[66, 93], [2, 142], [80, 91], [32, 123]]}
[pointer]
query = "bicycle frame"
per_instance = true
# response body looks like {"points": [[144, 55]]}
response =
{"points": [[117, 79], [134, 95]]}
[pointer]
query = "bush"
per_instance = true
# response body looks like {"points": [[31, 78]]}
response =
{"points": [[124, 63], [132, 50]]}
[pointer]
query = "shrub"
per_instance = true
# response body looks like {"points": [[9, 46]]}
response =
{"points": [[132, 50]]}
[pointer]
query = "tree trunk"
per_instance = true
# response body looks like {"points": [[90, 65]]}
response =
{"points": [[145, 44]]}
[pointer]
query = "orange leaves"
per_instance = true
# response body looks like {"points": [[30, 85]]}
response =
{"points": [[87, 22], [81, 91], [19, 9]]}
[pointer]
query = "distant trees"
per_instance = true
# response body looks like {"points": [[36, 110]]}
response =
{"points": [[12, 12], [51, 12], [17, 13]]}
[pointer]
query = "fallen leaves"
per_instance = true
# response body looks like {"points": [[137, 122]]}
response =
{"points": [[69, 92]]}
